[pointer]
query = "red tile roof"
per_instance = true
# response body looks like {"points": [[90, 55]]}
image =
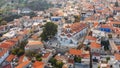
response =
{"points": [[10, 58], [118, 47], [4, 45], [21, 59], [91, 38], [117, 56], [75, 28], [115, 22], [86, 55], [38, 64], [35, 43], [75, 52], [23, 64], [95, 45], [70, 61]]}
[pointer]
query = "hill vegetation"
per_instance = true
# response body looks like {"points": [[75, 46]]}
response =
{"points": [[39, 5]]}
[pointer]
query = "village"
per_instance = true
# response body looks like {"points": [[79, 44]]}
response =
{"points": [[87, 36]]}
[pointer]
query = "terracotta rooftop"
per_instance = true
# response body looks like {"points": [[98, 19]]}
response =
{"points": [[15, 39], [75, 52], [118, 47], [86, 55], [21, 59], [5, 45], [10, 58], [106, 26], [115, 22], [74, 28], [96, 24], [117, 56], [95, 45], [91, 38], [34, 43], [60, 58], [38, 64], [23, 64], [34, 37]]}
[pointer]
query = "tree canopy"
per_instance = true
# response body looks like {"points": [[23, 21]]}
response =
{"points": [[77, 18], [77, 59], [55, 63], [3, 22], [49, 31], [105, 44], [39, 5]]}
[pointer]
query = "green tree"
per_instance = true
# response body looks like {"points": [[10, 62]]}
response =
{"points": [[59, 64], [14, 51], [98, 66], [53, 61], [3, 22], [39, 5], [20, 52], [77, 18], [77, 59], [105, 44], [49, 31], [23, 44], [17, 51], [108, 58], [38, 57]]}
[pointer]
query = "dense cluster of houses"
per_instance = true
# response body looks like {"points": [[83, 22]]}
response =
{"points": [[99, 25]]}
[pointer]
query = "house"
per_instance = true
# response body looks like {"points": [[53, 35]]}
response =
{"points": [[38, 19], [20, 38], [95, 47], [61, 58], [10, 34], [25, 10], [4, 53], [115, 23], [105, 28], [9, 44], [56, 18], [10, 58], [24, 64], [89, 39], [33, 45], [70, 34], [95, 57], [38, 64], [98, 33], [75, 52], [25, 33], [46, 57], [9, 61], [85, 55], [116, 60]]}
